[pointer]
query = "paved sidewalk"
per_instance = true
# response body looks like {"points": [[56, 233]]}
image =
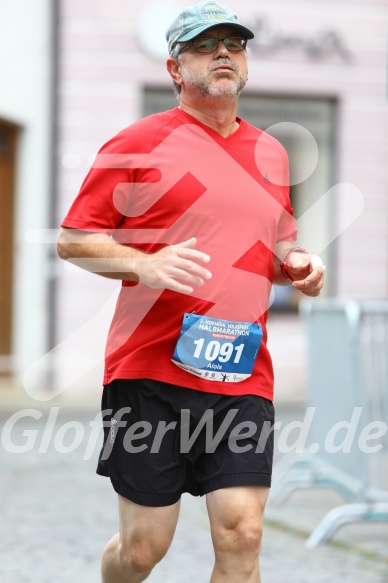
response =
{"points": [[57, 514]]}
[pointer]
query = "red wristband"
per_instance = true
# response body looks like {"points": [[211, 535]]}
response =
{"points": [[283, 264]]}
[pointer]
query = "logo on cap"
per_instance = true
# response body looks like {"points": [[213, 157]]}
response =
{"points": [[212, 11]]}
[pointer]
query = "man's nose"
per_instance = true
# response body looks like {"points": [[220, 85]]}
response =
{"points": [[221, 50]]}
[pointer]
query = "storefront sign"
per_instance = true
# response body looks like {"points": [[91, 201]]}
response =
{"points": [[316, 46]]}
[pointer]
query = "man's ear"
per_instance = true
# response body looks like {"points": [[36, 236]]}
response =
{"points": [[174, 68]]}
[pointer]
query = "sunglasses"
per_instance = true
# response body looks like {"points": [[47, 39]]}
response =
{"points": [[234, 44]]}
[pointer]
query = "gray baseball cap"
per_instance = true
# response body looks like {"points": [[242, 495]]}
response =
{"points": [[193, 20]]}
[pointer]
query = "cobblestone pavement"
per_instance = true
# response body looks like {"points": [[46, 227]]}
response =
{"points": [[57, 514]]}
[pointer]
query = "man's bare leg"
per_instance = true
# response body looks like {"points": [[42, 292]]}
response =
{"points": [[236, 518], [144, 538]]}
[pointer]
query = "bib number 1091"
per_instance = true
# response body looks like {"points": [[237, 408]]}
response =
{"points": [[217, 350], [214, 349]]}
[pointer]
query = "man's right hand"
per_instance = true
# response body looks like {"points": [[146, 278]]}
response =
{"points": [[175, 268]]}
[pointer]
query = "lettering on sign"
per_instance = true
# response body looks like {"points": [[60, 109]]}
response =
{"points": [[316, 46]]}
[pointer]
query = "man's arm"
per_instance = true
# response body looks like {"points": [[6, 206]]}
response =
{"points": [[165, 269], [305, 271]]}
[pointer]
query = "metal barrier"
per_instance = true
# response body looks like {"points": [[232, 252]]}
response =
{"points": [[348, 438]]}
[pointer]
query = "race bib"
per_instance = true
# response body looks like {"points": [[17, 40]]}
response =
{"points": [[217, 350]]}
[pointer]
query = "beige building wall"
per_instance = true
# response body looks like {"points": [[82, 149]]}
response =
{"points": [[25, 103]]}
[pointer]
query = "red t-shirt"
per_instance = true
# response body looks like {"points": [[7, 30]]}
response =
{"points": [[168, 178]]}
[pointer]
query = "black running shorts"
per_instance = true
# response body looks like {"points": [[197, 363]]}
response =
{"points": [[161, 440]]}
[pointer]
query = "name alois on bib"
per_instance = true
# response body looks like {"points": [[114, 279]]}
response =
{"points": [[217, 350]]}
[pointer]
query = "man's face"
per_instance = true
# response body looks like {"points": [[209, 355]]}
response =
{"points": [[218, 74]]}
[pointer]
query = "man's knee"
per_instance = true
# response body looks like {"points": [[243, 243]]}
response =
{"points": [[146, 534], [141, 555], [236, 517], [242, 538]]}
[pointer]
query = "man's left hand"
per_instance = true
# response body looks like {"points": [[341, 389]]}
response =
{"points": [[307, 272]]}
